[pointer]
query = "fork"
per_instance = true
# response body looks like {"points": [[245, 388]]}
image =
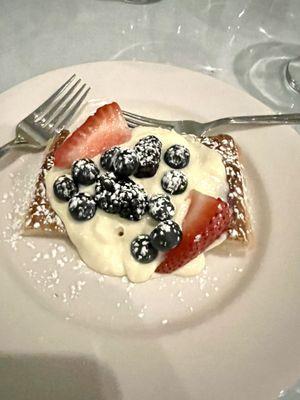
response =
{"points": [[51, 117], [206, 128]]}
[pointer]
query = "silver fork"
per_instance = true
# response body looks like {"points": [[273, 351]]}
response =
{"points": [[206, 128], [34, 131]]}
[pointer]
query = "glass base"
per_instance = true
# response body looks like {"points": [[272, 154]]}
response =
{"points": [[262, 70], [292, 74]]}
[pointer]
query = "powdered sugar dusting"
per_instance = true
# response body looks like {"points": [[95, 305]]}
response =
{"points": [[240, 227], [40, 214], [54, 271]]}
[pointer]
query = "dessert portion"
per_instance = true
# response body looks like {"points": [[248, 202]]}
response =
{"points": [[40, 217], [142, 202]]}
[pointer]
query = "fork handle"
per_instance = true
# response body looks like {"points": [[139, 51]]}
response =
{"points": [[10, 146], [280, 119], [6, 148]]}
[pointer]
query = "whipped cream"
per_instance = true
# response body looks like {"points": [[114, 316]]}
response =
{"points": [[104, 241]]}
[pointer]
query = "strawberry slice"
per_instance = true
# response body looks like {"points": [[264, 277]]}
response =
{"points": [[207, 218], [106, 128]]}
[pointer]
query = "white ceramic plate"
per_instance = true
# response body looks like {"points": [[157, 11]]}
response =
{"points": [[230, 333]]}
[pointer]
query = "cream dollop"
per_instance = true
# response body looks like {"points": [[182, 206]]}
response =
{"points": [[104, 241]]}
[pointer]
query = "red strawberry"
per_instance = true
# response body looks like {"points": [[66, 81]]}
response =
{"points": [[207, 218], [106, 128]]}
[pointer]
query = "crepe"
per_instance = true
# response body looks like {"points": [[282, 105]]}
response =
{"points": [[41, 219]]}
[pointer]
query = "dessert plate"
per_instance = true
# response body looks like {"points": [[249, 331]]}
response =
{"points": [[231, 332]]}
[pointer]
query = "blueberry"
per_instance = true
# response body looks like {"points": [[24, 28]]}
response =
{"points": [[84, 171], [149, 160], [166, 235], [177, 156], [125, 162], [174, 182], [142, 249], [106, 159], [133, 201], [64, 187], [82, 207], [161, 207]]}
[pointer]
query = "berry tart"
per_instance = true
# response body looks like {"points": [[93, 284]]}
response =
{"points": [[139, 202]]}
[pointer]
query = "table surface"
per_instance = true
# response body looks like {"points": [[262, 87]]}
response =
{"points": [[218, 37], [221, 38]]}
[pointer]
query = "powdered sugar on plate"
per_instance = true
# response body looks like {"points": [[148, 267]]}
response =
{"points": [[55, 274]]}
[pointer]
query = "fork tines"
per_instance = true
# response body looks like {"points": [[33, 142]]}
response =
{"points": [[134, 120], [59, 108]]}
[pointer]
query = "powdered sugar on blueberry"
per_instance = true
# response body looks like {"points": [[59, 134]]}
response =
{"points": [[177, 156], [142, 249], [82, 207], [125, 162], [161, 207], [174, 182], [84, 171], [166, 235], [106, 159]]}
